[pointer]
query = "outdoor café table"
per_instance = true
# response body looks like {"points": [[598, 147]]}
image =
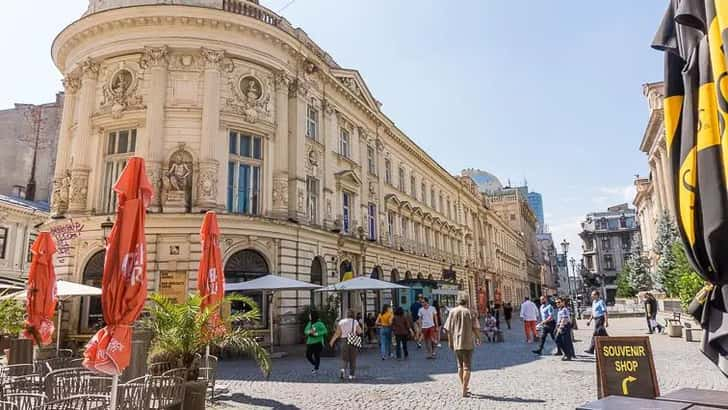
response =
{"points": [[711, 398], [622, 403]]}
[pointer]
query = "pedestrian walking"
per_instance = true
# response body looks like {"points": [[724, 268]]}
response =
{"points": [[415, 311], [463, 335], [347, 332], [507, 313], [438, 324], [427, 317], [490, 327], [563, 330], [601, 321], [371, 327], [315, 332], [547, 324], [384, 324], [403, 329], [529, 315], [651, 307]]}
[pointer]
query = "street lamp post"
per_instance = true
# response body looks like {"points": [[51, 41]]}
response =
{"points": [[565, 249]]}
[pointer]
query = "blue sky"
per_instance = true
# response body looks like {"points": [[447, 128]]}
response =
{"points": [[550, 91]]}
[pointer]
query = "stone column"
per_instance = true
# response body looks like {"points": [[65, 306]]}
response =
{"points": [[154, 61], [667, 179], [78, 201], [280, 166], [207, 181], [656, 181], [330, 139], [61, 175], [296, 146]]}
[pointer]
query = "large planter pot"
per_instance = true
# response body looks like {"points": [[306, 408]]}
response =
{"points": [[195, 392]]}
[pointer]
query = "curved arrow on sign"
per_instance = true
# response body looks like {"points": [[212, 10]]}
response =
{"points": [[625, 381]]}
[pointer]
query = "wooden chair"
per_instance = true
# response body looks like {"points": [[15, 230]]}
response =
{"points": [[79, 402], [166, 392], [27, 401], [208, 373]]}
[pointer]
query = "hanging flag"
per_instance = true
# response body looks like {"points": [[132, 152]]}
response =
{"points": [[124, 284], [692, 35], [210, 276], [42, 292]]}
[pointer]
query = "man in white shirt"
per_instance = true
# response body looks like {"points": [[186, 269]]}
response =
{"points": [[426, 318], [529, 315]]}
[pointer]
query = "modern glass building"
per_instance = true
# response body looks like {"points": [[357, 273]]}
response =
{"points": [[535, 201]]}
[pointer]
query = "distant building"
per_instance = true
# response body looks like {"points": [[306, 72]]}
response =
{"points": [[18, 229], [549, 268], [565, 285], [17, 138], [607, 242], [486, 181], [535, 201]]}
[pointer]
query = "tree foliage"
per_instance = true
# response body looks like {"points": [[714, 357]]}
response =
{"points": [[624, 286], [12, 316], [638, 267], [687, 282], [182, 329], [667, 275]]}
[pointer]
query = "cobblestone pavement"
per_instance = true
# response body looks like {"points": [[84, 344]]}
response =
{"points": [[506, 376]]}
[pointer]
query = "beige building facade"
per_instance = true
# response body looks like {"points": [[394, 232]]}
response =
{"points": [[19, 224], [237, 111], [653, 192]]}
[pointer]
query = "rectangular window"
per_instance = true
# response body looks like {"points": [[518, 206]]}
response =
{"points": [[312, 122], [120, 146], [608, 262], [372, 222], [401, 179], [346, 212], [390, 225], [405, 226], [449, 210], [442, 205], [388, 171], [244, 173], [31, 239], [423, 193], [3, 241], [413, 186], [312, 202], [344, 143], [432, 198], [371, 162], [606, 244]]}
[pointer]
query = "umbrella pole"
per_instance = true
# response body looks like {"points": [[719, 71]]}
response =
{"points": [[114, 391], [270, 315], [58, 328]]}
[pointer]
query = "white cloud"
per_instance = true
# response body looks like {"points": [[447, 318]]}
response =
{"points": [[618, 193]]}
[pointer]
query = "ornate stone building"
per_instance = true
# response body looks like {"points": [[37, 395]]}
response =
{"points": [[19, 222], [654, 191], [236, 110]]}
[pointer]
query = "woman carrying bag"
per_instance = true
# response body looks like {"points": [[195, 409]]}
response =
{"points": [[315, 332], [349, 332]]}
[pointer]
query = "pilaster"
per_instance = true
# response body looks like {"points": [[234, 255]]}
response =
{"points": [[61, 176], [155, 61], [210, 172], [297, 92], [279, 178], [82, 140]]}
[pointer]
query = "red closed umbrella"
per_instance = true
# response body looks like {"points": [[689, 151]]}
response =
{"points": [[41, 299], [124, 284], [210, 277]]}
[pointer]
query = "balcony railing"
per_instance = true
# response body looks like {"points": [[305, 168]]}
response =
{"points": [[249, 9]]}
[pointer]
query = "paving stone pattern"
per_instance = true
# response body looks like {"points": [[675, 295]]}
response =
{"points": [[506, 376]]}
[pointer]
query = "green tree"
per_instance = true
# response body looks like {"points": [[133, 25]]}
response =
{"points": [[638, 265], [12, 315], [664, 244], [688, 282], [624, 288]]}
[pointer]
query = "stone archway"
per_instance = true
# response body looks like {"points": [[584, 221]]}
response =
{"points": [[318, 277], [242, 266]]}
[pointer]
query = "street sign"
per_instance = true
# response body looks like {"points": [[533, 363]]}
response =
{"points": [[625, 367]]}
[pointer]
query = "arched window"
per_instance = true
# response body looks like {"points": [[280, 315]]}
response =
{"points": [[346, 271], [243, 266], [317, 276], [394, 276], [408, 275], [92, 316]]}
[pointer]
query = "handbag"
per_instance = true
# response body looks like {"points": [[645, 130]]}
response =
{"points": [[353, 339]]}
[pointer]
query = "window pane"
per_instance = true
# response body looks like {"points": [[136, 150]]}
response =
{"points": [[243, 188], [123, 142], [257, 154], [245, 145], [132, 142], [233, 143], [231, 185], [112, 143], [256, 191]]}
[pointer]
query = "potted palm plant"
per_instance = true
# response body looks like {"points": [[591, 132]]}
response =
{"points": [[11, 321], [181, 333]]}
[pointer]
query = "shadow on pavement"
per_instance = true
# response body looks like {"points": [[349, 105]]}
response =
{"points": [[505, 399], [241, 398]]}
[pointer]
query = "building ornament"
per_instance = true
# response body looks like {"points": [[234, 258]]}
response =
{"points": [[213, 59], [297, 88], [59, 201], [71, 83], [329, 107], [178, 181], [250, 98], [154, 57], [119, 93], [281, 81], [352, 85], [207, 182], [78, 189], [90, 69], [280, 192]]}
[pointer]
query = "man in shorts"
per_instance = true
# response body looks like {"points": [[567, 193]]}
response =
{"points": [[427, 318], [463, 334]]}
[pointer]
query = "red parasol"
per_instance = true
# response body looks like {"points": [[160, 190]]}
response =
{"points": [[124, 284], [210, 280], [41, 299]]}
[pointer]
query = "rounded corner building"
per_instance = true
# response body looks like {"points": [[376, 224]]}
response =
{"points": [[235, 110]]}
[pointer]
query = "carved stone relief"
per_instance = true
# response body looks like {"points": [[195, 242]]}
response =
{"points": [[79, 190], [301, 200], [280, 192], [249, 92], [59, 201], [178, 181], [120, 91], [207, 183], [154, 57]]}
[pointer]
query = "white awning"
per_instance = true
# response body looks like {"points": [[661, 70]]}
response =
{"points": [[65, 290], [361, 283], [270, 283]]}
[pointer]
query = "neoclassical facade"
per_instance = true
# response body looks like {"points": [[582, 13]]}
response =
{"points": [[237, 111], [653, 192]]}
